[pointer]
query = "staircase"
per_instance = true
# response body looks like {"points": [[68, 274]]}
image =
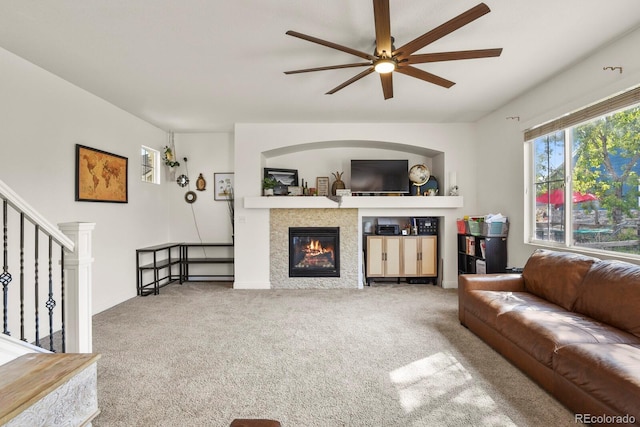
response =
{"points": [[47, 372]]}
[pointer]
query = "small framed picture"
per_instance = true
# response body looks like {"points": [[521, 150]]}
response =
{"points": [[223, 189], [285, 177], [294, 190], [322, 185]]}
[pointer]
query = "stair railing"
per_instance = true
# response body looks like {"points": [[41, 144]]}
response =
{"points": [[45, 278]]}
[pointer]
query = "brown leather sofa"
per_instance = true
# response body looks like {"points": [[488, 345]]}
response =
{"points": [[570, 322]]}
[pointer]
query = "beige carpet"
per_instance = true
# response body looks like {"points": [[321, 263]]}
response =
{"points": [[202, 354]]}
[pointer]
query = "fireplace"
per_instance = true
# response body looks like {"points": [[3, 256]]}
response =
{"points": [[314, 251]]}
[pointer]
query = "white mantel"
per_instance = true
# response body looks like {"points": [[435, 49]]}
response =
{"points": [[354, 202], [445, 207]]}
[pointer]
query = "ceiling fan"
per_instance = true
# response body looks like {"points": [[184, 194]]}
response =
{"points": [[386, 58]]}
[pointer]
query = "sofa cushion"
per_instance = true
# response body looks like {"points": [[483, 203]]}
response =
{"points": [[487, 305], [611, 293], [540, 331], [608, 372], [556, 276]]}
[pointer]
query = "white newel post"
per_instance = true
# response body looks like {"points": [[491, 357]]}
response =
{"points": [[77, 273]]}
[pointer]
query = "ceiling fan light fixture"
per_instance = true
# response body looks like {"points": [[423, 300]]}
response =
{"points": [[382, 59], [384, 65]]}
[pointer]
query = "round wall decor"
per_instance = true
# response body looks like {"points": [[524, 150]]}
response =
{"points": [[183, 180], [190, 196]]}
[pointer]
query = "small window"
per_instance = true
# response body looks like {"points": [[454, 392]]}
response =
{"points": [[150, 161]]}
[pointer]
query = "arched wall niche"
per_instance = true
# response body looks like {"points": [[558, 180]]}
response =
{"points": [[366, 144], [322, 158]]}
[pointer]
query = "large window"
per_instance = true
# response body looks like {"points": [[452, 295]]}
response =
{"points": [[585, 183]]}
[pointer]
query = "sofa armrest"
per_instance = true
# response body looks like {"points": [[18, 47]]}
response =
{"points": [[491, 282], [486, 282]]}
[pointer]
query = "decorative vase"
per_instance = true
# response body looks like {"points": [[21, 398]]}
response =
{"points": [[338, 183], [268, 191]]}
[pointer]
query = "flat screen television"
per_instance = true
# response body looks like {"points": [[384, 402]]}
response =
{"points": [[380, 176]]}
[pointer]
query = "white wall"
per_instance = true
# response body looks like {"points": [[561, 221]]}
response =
{"points": [[457, 141], [206, 218], [501, 173], [42, 117]]}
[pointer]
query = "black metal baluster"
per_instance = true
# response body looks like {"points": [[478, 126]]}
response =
{"points": [[36, 287], [25, 288], [5, 277], [50, 304], [22, 336], [62, 297]]}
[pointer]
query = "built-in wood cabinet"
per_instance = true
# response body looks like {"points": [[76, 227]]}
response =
{"points": [[419, 256], [384, 256], [401, 257]]}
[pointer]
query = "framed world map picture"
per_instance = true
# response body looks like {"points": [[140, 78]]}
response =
{"points": [[100, 176]]}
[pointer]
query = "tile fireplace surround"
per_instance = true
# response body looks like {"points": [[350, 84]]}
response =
{"points": [[280, 221]]}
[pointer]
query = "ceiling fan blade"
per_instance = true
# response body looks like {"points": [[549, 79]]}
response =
{"points": [[330, 67], [387, 85], [441, 31], [423, 75], [351, 80], [453, 56], [331, 45], [383, 26]]}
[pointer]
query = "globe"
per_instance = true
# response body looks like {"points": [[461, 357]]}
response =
{"points": [[419, 175]]}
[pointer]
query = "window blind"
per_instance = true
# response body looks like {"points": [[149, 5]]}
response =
{"points": [[601, 108]]}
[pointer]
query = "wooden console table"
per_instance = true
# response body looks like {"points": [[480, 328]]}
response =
{"points": [[188, 260]]}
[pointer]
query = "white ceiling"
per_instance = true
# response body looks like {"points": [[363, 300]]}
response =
{"points": [[202, 65]]}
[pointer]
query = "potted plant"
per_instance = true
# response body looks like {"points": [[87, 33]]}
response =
{"points": [[169, 158], [268, 184]]}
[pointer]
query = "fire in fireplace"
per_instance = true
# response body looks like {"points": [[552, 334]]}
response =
{"points": [[314, 252]]}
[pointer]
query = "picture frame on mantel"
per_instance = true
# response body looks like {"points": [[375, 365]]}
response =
{"points": [[285, 177], [322, 185], [101, 176]]}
